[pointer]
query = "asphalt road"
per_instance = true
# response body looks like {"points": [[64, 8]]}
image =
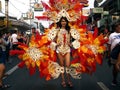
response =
{"points": [[19, 79]]}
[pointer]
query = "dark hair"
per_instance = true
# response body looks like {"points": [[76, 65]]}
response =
{"points": [[67, 27], [33, 28], [114, 26], [117, 24]]}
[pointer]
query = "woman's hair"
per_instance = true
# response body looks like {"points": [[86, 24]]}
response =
{"points": [[114, 26], [67, 27], [117, 24]]}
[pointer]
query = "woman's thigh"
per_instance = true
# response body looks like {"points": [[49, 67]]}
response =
{"points": [[2, 67], [61, 59], [67, 59]]}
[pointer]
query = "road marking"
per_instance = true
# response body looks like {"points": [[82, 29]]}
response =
{"points": [[11, 70], [103, 86]]}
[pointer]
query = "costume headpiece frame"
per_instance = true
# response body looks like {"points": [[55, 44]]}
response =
{"points": [[71, 9]]}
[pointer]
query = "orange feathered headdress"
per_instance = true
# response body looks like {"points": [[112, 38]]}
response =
{"points": [[71, 9]]}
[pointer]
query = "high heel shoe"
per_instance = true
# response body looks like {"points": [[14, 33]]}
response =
{"points": [[63, 84], [70, 84], [5, 86]]}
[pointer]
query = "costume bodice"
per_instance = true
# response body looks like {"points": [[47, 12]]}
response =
{"points": [[63, 37], [63, 41]]}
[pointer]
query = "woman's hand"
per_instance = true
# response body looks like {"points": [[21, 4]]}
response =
{"points": [[70, 45]]}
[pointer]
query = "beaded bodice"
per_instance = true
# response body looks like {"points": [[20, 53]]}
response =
{"points": [[63, 41]]}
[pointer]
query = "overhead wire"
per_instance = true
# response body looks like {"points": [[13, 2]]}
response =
{"points": [[15, 7], [22, 3], [4, 13]]}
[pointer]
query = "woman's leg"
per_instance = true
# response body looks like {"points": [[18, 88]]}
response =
{"points": [[67, 62], [61, 61], [2, 71]]}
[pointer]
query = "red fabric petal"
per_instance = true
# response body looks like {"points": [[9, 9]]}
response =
{"points": [[38, 36], [78, 7], [99, 59], [45, 6], [42, 17], [76, 60], [32, 70], [15, 52], [21, 64], [104, 41], [52, 2], [83, 58], [95, 34]]}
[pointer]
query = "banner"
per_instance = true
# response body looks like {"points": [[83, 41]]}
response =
{"points": [[24, 15], [97, 10], [30, 15], [38, 7]]}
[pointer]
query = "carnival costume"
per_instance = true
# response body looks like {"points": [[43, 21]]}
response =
{"points": [[87, 48]]}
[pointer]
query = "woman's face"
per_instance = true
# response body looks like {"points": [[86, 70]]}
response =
{"points": [[63, 22]]}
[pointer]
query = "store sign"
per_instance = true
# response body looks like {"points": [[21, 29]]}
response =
{"points": [[38, 7], [105, 12], [114, 17], [24, 15], [97, 10], [30, 15]]}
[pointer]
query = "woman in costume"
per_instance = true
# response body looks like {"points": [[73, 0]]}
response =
{"points": [[63, 47], [41, 52]]}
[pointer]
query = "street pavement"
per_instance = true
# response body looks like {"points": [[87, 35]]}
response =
{"points": [[19, 79]]}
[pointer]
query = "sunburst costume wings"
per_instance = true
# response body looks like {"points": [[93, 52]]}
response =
{"points": [[88, 47]]}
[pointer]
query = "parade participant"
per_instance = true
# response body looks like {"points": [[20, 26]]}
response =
{"points": [[67, 31], [63, 47]]}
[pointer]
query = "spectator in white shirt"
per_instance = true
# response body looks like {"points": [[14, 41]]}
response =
{"points": [[114, 51], [14, 40]]}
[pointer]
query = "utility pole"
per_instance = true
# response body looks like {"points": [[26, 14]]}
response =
{"points": [[6, 14], [30, 11]]}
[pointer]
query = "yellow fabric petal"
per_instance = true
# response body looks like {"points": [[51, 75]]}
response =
{"points": [[38, 63], [27, 63], [25, 56], [84, 49], [96, 41], [33, 64]]}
